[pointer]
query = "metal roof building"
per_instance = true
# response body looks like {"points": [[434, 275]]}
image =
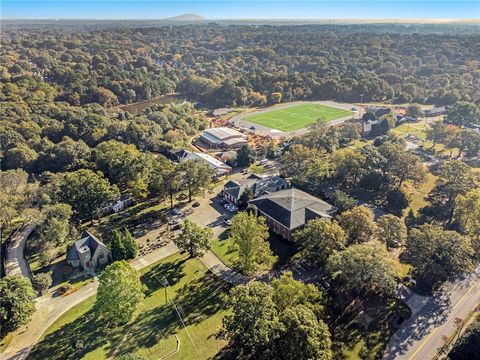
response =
{"points": [[219, 167], [223, 137]]}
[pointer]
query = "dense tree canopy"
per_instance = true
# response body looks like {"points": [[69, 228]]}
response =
{"points": [[358, 224], [464, 113], [16, 303], [277, 321], [455, 178], [254, 322], [391, 230], [225, 65], [86, 191], [196, 176], [468, 346], [364, 268], [437, 254], [467, 213], [319, 239]]}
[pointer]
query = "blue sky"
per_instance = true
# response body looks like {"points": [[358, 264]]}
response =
{"points": [[237, 9]]}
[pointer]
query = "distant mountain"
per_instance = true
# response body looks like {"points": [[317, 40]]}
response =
{"points": [[186, 17]]}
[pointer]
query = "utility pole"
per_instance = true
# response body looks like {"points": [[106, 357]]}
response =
{"points": [[165, 284]]}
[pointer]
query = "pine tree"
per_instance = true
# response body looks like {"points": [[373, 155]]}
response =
{"points": [[118, 246], [130, 245]]}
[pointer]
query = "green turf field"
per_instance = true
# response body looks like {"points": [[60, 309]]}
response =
{"points": [[297, 116]]}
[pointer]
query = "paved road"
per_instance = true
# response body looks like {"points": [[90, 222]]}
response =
{"points": [[15, 263], [424, 334], [49, 309]]}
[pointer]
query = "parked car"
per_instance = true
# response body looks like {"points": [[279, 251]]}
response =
{"points": [[176, 212], [325, 283], [176, 227], [370, 206], [174, 222], [227, 221], [62, 289]]}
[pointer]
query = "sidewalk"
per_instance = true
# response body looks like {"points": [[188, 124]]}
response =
{"points": [[216, 266]]}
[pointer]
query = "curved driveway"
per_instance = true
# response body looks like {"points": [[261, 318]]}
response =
{"points": [[15, 263]]}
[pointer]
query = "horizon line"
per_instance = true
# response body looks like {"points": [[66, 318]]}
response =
{"points": [[241, 19]]}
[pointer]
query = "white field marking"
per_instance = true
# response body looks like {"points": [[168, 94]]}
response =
{"points": [[185, 327]]}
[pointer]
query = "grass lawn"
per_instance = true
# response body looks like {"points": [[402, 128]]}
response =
{"points": [[297, 116], [5, 341], [418, 195], [198, 295], [224, 249], [419, 129]]}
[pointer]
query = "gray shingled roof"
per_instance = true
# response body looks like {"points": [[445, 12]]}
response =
{"points": [[87, 239], [257, 183], [292, 207]]}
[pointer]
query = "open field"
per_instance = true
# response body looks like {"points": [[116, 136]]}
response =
{"points": [[297, 116], [198, 295]]}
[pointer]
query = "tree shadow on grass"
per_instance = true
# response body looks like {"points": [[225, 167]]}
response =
{"points": [[148, 329], [72, 340], [226, 353], [195, 301], [202, 298], [172, 272]]}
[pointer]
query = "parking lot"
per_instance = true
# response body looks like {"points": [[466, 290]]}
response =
{"points": [[210, 211]]}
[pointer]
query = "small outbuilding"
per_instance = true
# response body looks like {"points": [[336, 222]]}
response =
{"points": [[436, 111], [220, 112]]}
